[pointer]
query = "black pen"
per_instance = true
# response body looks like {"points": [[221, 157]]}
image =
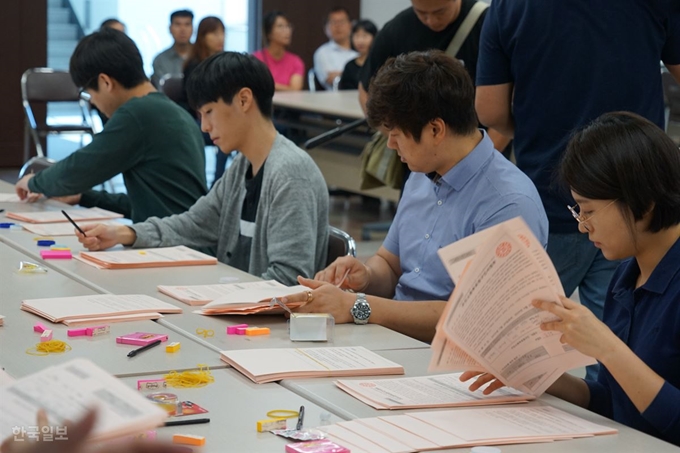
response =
{"points": [[301, 418], [2, 210], [144, 348], [196, 421], [73, 223]]}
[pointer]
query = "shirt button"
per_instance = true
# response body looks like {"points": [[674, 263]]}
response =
{"points": [[427, 236], [416, 270], [439, 203]]}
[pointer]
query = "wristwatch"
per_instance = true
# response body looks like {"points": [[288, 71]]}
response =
{"points": [[361, 310]]}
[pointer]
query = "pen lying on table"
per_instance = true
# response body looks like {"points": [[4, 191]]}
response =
{"points": [[196, 421]]}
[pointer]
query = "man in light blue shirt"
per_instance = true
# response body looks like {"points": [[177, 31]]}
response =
{"points": [[424, 102]]}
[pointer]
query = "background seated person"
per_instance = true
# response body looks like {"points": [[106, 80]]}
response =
{"points": [[287, 68], [268, 215], [424, 102], [624, 174], [153, 142], [363, 33], [331, 57]]}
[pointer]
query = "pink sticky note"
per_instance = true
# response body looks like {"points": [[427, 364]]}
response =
{"points": [[56, 254], [241, 330], [40, 328], [76, 332], [232, 330]]}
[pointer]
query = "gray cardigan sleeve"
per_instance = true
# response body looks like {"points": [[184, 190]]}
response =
{"points": [[291, 231], [198, 227]]}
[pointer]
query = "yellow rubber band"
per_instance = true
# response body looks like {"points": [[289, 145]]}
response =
{"points": [[283, 413]]}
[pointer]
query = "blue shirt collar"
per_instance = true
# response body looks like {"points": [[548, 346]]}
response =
{"points": [[463, 171], [661, 277]]}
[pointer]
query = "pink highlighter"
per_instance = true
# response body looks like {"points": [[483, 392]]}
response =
{"points": [[141, 338]]}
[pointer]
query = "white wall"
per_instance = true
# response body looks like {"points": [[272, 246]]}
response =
{"points": [[381, 11]]}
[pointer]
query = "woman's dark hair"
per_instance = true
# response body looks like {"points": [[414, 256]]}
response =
{"points": [[268, 22], [365, 25], [223, 75], [200, 50], [622, 156], [412, 89], [109, 52]]}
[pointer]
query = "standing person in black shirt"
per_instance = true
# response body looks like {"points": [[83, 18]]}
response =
{"points": [[428, 24], [363, 33]]}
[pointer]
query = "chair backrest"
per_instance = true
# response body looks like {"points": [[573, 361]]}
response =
{"points": [[671, 90], [35, 164], [313, 81], [339, 244], [172, 85], [48, 85]]}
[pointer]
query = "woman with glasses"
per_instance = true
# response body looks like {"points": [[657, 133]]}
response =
{"points": [[624, 174], [287, 68]]}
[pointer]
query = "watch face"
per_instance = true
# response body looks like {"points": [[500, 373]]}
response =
{"points": [[361, 310]]}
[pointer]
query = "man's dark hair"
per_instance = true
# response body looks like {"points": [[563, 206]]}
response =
{"points": [[413, 89], [109, 22], [181, 13], [622, 156], [338, 9], [223, 75], [109, 52]]}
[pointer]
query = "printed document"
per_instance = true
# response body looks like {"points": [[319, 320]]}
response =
{"points": [[490, 317]]}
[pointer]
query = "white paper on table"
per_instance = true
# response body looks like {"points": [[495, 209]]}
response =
{"points": [[112, 319], [65, 391], [78, 215], [522, 423], [9, 198], [95, 306], [443, 390], [60, 229], [490, 314], [156, 255]]}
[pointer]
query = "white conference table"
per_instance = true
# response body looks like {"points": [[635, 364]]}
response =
{"points": [[340, 169], [234, 405], [341, 104], [326, 394], [17, 335]]}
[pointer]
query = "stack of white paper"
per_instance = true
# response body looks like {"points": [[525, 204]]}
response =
{"points": [[425, 431], [57, 216], [230, 295]]}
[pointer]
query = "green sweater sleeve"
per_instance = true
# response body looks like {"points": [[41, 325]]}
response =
{"points": [[112, 151], [116, 202]]}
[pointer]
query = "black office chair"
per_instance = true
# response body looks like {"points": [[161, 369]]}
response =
{"points": [[43, 85], [339, 244], [172, 85]]}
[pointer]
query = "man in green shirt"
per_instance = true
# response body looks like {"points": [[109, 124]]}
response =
{"points": [[153, 142]]}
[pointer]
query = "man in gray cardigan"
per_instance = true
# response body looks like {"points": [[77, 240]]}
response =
{"points": [[268, 215]]}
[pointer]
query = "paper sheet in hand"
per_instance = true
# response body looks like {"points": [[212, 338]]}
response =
{"points": [[269, 365], [62, 309], [141, 258], [230, 294], [66, 390], [490, 317], [2, 320], [442, 390], [78, 215]]}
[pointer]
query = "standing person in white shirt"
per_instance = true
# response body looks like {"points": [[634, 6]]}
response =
{"points": [[330, 58]]}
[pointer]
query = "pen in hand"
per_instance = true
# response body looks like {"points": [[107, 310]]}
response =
{"points": [[73, 223], [143, 348]]}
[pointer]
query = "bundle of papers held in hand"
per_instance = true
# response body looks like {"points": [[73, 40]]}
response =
{"points": [[489, 323]]}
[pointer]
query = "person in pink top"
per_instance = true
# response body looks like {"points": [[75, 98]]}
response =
{"points": [[287, 68]]}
